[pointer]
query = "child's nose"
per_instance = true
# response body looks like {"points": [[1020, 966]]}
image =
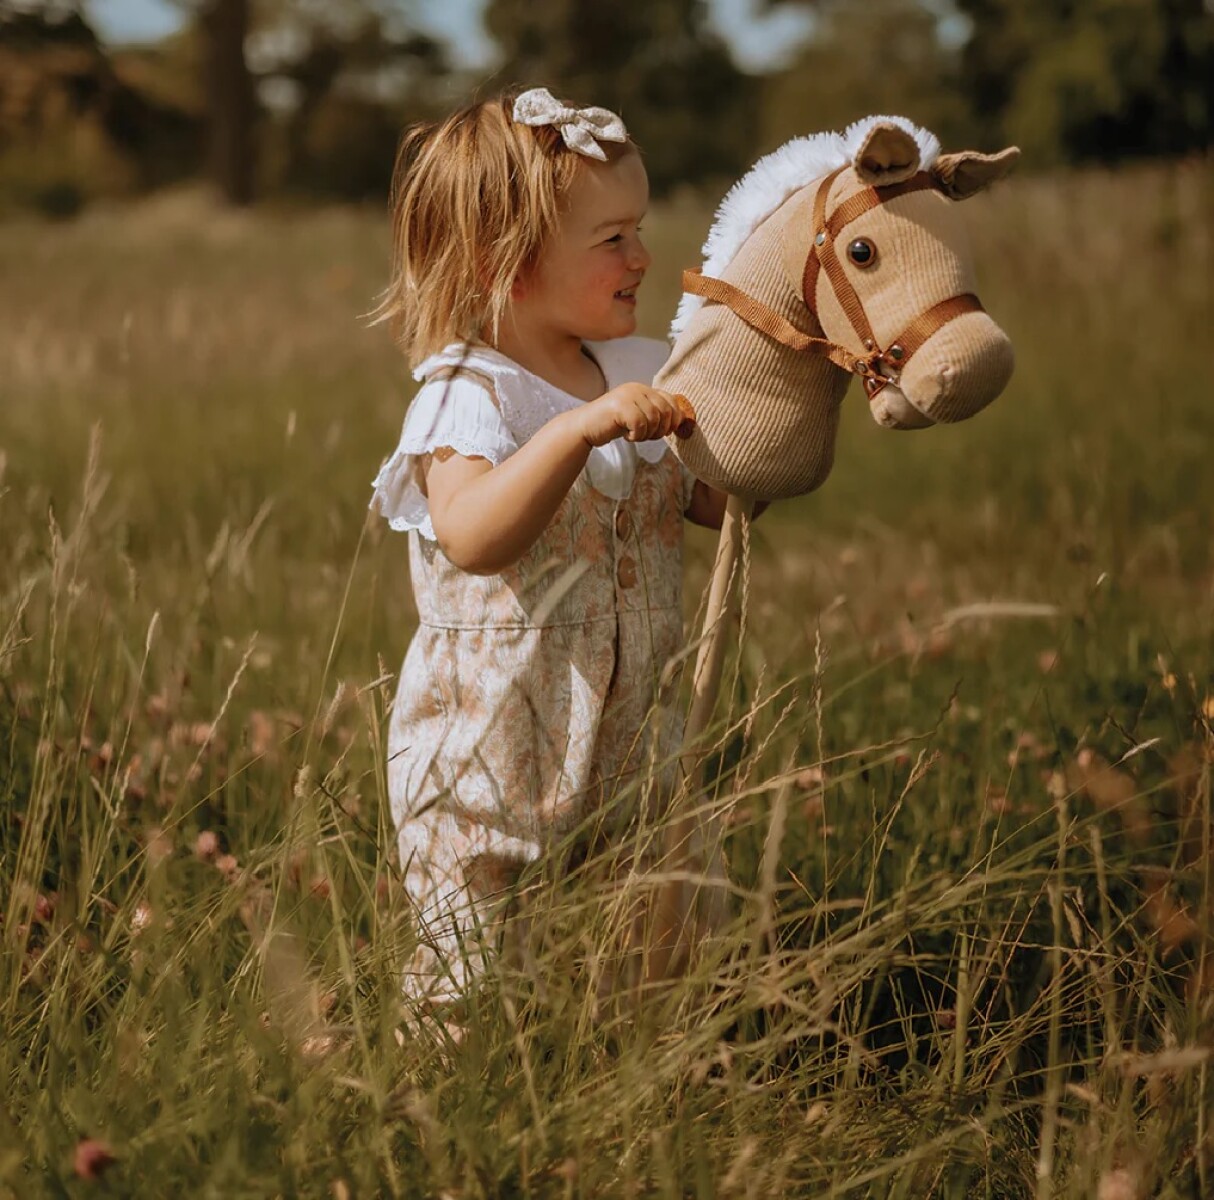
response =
{"points": [[640, 257]]}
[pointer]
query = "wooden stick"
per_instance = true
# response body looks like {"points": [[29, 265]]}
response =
{"points": [[711, 655], [673, 906]]}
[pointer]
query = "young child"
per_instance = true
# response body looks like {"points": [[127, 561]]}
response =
{"points": [[544, 511]]}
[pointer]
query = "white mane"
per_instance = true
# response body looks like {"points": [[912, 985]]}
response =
{"points": [[772, 180]]}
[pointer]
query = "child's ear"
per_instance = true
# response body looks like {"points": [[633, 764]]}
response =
{"points": [[521, 284]]}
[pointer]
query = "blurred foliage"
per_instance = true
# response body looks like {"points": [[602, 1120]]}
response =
{"points": [[1092, 79], [73, 124], [346, 82], [885, 58], [1074, 81], [659, 65], [1068, 80]]}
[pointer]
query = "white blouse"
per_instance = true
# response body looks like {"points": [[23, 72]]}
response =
{"points": [[460, 413]]}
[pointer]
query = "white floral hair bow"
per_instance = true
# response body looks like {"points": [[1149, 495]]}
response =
{"points": [[578, 127]]}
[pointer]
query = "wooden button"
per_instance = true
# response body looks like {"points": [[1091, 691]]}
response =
{"points": [[626, 572], [623, 524]]}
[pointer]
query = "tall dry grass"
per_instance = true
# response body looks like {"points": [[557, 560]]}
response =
{"points": [[964, 759]]}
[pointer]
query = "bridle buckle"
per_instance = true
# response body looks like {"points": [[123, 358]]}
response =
{"points": [[879, 368], [890, 364]]}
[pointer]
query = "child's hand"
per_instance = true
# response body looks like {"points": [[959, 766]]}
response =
{"points": [[635, 412]]}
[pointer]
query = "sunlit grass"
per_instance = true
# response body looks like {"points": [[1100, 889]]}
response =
{"points": [[972, 697]]}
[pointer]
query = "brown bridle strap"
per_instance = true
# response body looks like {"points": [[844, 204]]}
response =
{"points": [[853, 307], [926, 323], [822, 249], [766, 320], [809, 277], [861, 202], [877, 367]]}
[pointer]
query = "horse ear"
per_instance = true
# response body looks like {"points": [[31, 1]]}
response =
{"points": [[889, 155], [961, 175]]}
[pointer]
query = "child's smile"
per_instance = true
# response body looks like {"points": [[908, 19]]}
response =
{"points": [[585, 284]]}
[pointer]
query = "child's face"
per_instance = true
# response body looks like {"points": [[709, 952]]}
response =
{"points": [[585, 282]]}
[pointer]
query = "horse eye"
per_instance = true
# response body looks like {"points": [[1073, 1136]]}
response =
{"points": [[862, 252]]}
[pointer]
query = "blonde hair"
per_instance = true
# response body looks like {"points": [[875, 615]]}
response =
{"points": [[474, 199]]}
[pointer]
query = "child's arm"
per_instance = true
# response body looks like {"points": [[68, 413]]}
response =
{"points": [[486, 518], [707, 506]]}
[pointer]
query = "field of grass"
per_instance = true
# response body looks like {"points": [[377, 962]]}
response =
{"points": [[967, 755]]}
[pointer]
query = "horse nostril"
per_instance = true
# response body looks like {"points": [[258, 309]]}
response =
{"points": [[947, 378], [959, 370]]}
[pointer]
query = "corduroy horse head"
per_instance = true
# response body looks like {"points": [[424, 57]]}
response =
{"points": [[836, 256]]}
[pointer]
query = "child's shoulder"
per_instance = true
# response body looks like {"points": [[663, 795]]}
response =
{"points": [[464, 360], [630, 359]]}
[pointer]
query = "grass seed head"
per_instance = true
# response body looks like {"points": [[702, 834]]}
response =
{"points": [[206, 846], [92, 1158], [159, 845], [1118, 1184], [141, 918]]}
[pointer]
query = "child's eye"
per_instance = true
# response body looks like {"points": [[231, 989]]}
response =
{"points": [[619, 237]]}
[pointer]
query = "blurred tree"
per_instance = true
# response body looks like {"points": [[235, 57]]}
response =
{"points": [[1097, 79], [231, 104], [866, 57], [338, 76], [347, 77], [659, 65], [45, 23], [75, 121]]}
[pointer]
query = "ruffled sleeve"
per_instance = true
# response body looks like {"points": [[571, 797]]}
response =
{"points": [[458, 413]]}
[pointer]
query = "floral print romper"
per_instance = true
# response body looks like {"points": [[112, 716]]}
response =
{"points": [[527, 699]]}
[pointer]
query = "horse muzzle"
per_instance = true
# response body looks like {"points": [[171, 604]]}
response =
{"points": [[956, 373]]}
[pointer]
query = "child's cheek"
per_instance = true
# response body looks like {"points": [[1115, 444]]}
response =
{"points": [[609, 280]]}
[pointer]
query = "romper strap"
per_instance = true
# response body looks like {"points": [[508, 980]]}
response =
{"points": [[457, 371]]}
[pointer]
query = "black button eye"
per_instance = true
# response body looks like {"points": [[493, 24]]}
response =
{"points": [[862, 252]]}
